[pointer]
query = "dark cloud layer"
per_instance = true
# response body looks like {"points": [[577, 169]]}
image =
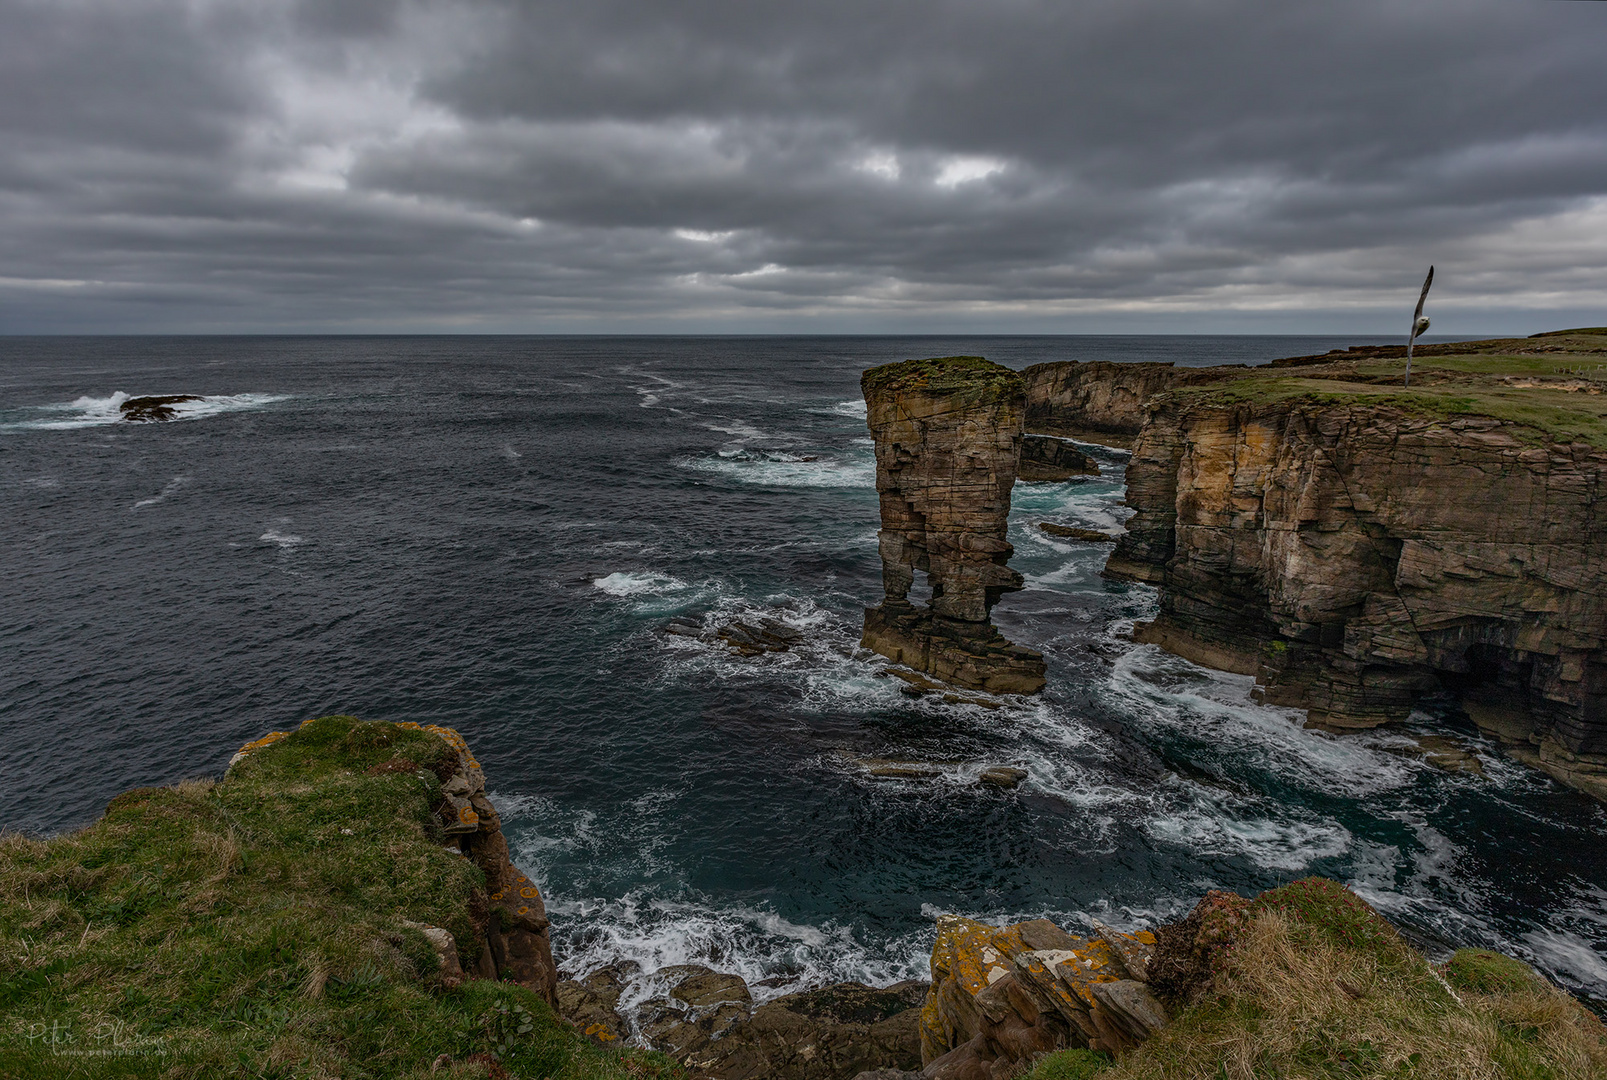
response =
{"points": [[619, 165]]}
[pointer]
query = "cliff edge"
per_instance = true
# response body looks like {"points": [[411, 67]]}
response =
{"points": [[341, 904], [1361, 547]]}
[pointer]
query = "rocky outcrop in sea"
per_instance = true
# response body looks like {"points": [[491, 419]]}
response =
{"points": [[948, 435]]}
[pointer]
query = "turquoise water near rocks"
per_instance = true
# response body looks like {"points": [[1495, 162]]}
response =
{"points": [[489, 532]]}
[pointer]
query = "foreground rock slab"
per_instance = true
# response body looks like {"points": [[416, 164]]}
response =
{"points": [[1002, 996]]}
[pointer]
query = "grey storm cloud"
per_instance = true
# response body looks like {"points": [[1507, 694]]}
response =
{"points": [[628, 165]]}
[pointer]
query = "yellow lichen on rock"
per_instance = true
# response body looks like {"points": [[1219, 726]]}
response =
{"points": [[1002, 995]]}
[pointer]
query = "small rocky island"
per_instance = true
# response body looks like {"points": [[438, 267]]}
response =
{"points": [[948, 436], [153, 408]]}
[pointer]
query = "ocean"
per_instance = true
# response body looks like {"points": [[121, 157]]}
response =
{"points": [[490, 533]]}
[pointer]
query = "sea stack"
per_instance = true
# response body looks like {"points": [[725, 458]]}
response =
{"points": [[948, 432]]}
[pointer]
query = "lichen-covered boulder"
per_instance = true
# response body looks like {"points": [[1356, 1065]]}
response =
{"points": [[1001, 996]]}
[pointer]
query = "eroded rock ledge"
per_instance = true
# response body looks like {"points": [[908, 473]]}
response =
{"points": [[948, 434]]}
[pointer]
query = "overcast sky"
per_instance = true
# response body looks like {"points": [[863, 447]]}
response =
{"points": [[823, 166]]}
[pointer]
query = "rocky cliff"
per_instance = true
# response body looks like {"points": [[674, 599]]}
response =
{"points": [[1047, 459], [1103, 402], [1003, 996], [948, 433], [1361, 549]]}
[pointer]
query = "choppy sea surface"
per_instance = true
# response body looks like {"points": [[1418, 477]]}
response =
{"points": [[488, 533]]}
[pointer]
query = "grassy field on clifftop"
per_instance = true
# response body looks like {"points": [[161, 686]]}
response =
{"points": [[256, 928], [1555, 384]]}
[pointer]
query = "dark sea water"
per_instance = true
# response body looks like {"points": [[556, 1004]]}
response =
{"points": [[487, 533]]}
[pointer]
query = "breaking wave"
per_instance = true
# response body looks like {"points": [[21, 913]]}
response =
{"points": [[90, 411]]}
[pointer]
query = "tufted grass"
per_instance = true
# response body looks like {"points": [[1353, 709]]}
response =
{"points": [[253, 928], [1319, 986], [1069, 1065]]}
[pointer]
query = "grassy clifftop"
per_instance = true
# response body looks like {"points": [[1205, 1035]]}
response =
{"points": [[970, 375], [267, 926], [1554, 384], [1307, 982]]}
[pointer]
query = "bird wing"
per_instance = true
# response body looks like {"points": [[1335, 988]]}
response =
{"points": [[1423, 296]]}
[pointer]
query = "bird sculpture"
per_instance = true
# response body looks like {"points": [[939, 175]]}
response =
{"points": [[1419, 323]]}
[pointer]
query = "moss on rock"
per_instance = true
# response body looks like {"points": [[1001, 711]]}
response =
{"points": [[971, 375]]}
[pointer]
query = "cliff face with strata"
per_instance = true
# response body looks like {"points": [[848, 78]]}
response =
{"points": [[1103, 402], [1357, 557], [948, 433]]}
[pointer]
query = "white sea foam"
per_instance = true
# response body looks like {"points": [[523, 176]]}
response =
{"points": [[88, 411], [655, 593], [650, 395], [737, 429], [854, 407], [1208, 830], [282, 539], [1572, 955], [621, 583], [171, 487], [752, 942], [779, 469], [1160, 690]]}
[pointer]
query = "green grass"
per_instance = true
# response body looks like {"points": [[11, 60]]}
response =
{"points": [[1446, 388], [254, 928], [1486, 972], [969, 375], [1069, 1065], [1317, 986]]}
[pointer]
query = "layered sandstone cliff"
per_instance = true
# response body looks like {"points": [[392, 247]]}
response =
{"points": [[1361, 553], [1100, 401], [948, 434], [1356, 558]]}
